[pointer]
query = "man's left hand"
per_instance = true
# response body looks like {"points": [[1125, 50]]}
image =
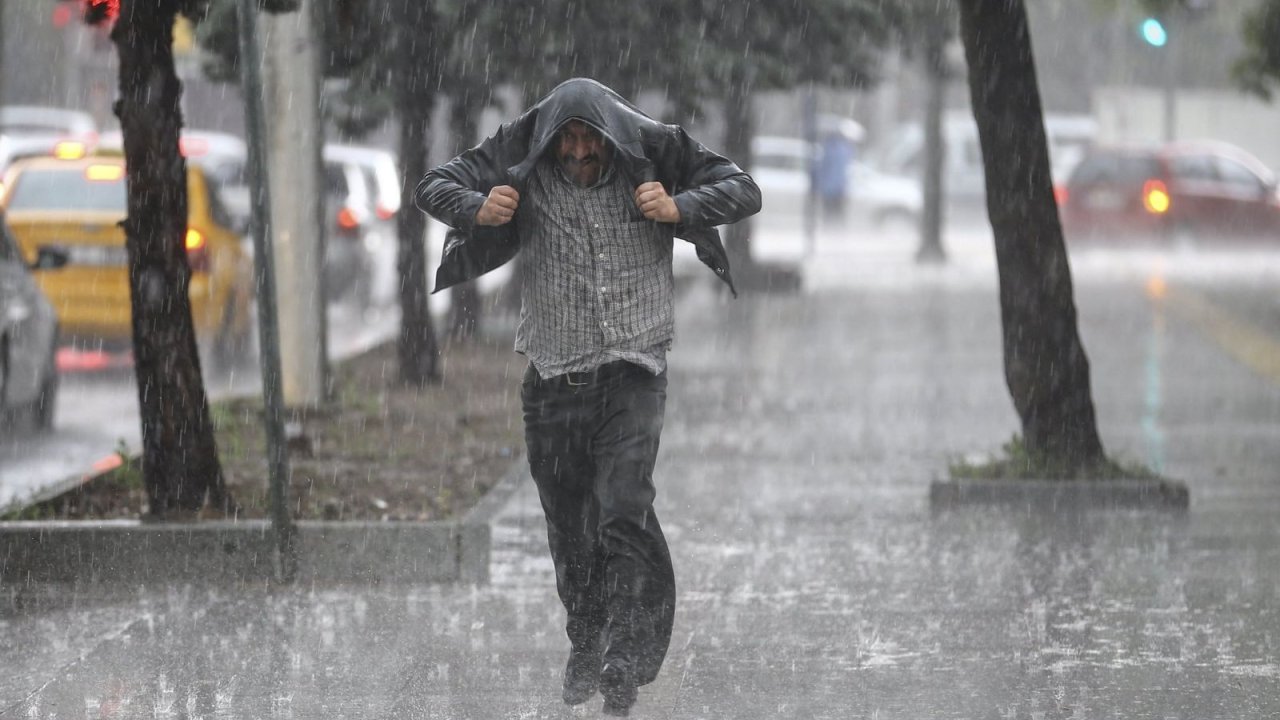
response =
{"points": [[656, 204]]}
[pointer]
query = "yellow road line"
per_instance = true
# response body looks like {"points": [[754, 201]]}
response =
{"points": [[1246, 342]]}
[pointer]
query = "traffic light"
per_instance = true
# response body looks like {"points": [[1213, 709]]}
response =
{"points": [[101, 12], [1153, 32]]}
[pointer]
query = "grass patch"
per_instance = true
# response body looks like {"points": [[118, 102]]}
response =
{"points": [[1015, 462]]}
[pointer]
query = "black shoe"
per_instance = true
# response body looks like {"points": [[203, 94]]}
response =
{"points": [[581, 677], [618, 685]]}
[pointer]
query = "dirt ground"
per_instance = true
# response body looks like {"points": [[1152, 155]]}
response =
{"points": [[379, 451]]}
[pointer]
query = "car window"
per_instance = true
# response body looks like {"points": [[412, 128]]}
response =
{"points": [[335, 180], [1113, 168], [226, 173], [1197, 168], [1238, 176], [77, 188], [217, 210]]}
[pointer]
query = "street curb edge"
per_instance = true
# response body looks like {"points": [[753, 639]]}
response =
{"points": [[132, 552]]}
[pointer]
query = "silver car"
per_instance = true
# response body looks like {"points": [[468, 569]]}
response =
{"points": [[28, 336]]}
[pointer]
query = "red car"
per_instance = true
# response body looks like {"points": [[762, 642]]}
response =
{"points": [[1200, 192]]}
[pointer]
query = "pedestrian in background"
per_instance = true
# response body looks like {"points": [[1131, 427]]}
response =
{"points": [[593, 192], [831, 174]]}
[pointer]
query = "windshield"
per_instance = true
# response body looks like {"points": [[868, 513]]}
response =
{"points": [[69, 189]]}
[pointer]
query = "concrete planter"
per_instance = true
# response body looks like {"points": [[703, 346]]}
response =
{"points": [[1060, 494], [131, 552]]}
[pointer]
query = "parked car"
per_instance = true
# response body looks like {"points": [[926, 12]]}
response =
{"points": [[889, 186], [382, 177], [353, 235], [780, 166], [35, 130], [1183, 192], [77, 205], [28, 335], [349, 202], [382, 184], [222, 157]]}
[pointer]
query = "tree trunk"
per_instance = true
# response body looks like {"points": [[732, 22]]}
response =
{"points": [[935, 67], [464, 310], [418, 349], [739, 121], [1045, 363], [179, 461]]}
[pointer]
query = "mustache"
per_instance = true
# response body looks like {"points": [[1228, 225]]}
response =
{"points": [[570, 160]]}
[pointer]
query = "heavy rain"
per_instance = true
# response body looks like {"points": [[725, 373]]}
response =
{"points": [[683, 359]]}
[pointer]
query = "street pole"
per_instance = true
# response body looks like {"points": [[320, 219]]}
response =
{"points": [[264, 270], [1171, 86], [291, 98], [810, 198]]}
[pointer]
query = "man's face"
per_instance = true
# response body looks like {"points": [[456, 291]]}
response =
{"points": [[581, 152]]}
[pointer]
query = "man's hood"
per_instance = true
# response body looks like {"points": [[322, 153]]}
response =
{"points": [[600, 107]]}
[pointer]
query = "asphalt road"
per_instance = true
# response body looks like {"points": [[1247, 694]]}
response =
{"points": [[814, 580], [97, 411]]}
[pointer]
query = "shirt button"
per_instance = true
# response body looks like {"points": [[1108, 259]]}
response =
{"points": [[603, 289], [601, 256], [605, 323], [595, 225]]}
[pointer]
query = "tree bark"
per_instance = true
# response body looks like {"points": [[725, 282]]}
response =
{"points": [[418, 348], [934, 180], [739, 120], [1044, 360], [180, 464]]}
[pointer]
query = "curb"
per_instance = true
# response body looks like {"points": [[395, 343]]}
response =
{"points": [[1169, 495], [133, 553]]}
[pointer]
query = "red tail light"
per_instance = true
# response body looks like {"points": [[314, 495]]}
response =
{"points": [[384, 212], [197, 251], [1060, 194], [348, 223], [1155, 197]]}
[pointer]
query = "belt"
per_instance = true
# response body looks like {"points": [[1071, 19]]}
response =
{"points": [[596, 374]]}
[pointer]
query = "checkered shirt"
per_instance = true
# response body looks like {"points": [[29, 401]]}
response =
{"points": [[596, 277]]}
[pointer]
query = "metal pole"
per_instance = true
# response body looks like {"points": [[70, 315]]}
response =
{"points": [[1171, 83], [810, 198], [264, 269]]}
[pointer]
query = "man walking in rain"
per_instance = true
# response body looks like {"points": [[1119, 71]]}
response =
{"points": [[592, 192]]}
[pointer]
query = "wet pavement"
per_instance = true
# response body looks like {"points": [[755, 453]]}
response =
{"points": [[814, 580]]}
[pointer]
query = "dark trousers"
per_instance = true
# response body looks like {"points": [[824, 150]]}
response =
{"points": [[592, 440]]}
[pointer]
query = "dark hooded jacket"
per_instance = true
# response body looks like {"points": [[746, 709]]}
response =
{"points": [[708, 189]]}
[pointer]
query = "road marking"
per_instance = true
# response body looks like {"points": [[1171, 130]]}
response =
{"points": [[1246, 342]]}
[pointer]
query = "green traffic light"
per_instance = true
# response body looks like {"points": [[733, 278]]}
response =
{"points": [[1154, 33]]}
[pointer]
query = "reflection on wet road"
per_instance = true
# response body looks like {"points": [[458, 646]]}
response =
{"points": [[814, 581]]}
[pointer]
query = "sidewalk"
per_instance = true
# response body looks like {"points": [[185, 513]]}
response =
{"points": [[814, 582]]}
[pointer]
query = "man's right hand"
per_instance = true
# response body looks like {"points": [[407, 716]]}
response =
{"points": [[499, 207]]}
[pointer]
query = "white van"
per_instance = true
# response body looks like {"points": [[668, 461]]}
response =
{"points": [[887, 189]]}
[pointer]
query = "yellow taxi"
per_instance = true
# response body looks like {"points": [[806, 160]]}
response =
{"points": [[77, 205]]}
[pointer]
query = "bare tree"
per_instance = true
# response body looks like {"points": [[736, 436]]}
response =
{"points": [[1045, 364], [180, 463], [414, 72]]}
